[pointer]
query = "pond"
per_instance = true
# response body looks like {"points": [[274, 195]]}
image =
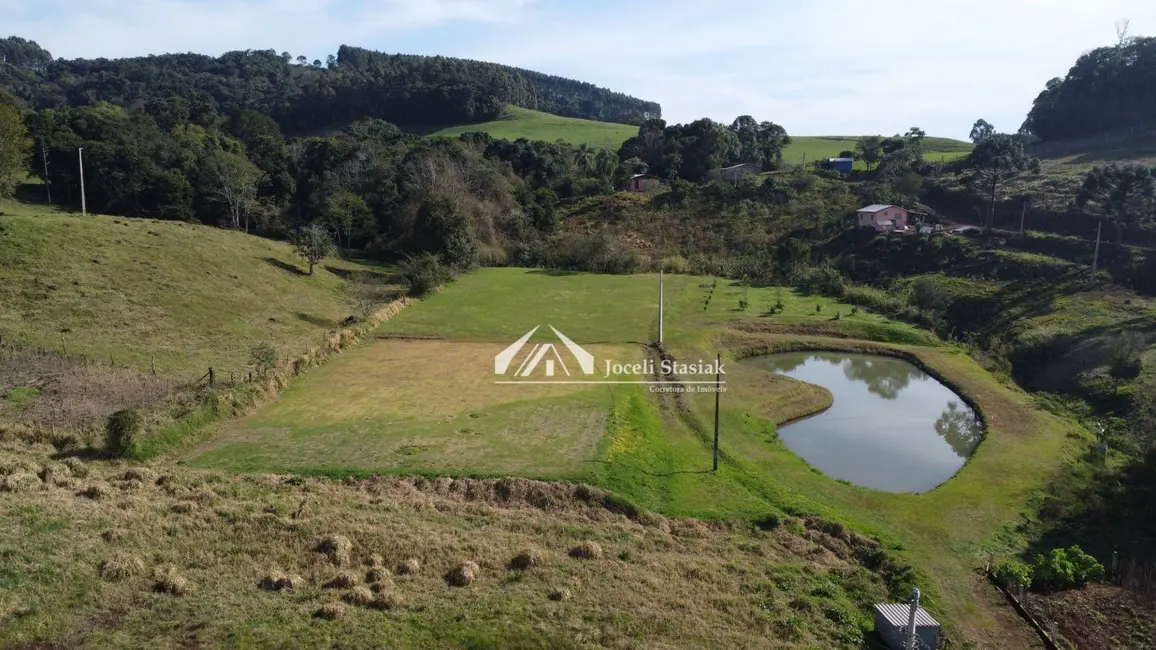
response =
{"points": [[892, 427]]}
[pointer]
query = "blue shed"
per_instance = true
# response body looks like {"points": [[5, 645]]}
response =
{"points": [[841, 165]]}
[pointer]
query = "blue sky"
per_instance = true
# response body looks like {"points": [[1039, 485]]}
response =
{"points": [[825, 67]]}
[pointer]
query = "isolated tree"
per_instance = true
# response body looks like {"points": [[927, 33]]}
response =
{"points": [[1124, 194], [232, 180], [346, 213], [981, 130], [870, 149], [15, 148], [331, 61], [1125, 357], [915, 135], [846, 153], [996, 160], [301, 60], [314, 244]]}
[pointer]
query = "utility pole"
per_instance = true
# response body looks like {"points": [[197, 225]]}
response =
{"points": [[1096, 255], [717, 391], [661, 289], [83, 206], [1023, 215], [910, 644], [44, 159]]}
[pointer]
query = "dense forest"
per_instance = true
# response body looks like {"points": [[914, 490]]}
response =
{"points": [[1109, 89], [304, 96]]}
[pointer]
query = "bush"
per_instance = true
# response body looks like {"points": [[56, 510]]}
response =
{"points": [[123, 431], [1013, 574], [1065, 569], [424, 273], [877, 300], [263, 358], [825, 280], [675, 264]]}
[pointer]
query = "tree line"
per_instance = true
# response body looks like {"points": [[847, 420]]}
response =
{"points": [[304, 97]]}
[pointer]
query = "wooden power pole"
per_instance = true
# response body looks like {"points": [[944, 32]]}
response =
{"points": [[717, 391], [1096, 255]]}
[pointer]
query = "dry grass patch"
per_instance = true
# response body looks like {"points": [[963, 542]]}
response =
{"points": [[235, 550], [121, 566], [343, 580], [408, 567], [337, 548], [377, 574], [168, 580], [359, 596], [331, 612], [463, 574], [587, 550], [527, 559]]}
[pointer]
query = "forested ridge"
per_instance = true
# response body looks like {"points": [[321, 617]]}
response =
{"points": [[303, 96], [1110, 89]]}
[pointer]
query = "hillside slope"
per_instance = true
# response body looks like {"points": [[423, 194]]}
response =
{"points": [[193, 296]]}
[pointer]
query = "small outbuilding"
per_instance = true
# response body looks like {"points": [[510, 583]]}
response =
{"points": [[644, 183], [841, 165], [734, 172], [891, 625]]}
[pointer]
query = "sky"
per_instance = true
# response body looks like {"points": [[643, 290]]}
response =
{"points": [[817, 67]]}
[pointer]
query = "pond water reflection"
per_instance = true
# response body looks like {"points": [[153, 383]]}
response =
{"points": [[892, 427]]}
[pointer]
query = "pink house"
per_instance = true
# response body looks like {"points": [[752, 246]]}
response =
{"points": [[883, 218]]}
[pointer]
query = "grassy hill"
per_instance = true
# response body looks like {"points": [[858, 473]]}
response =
{"points": [[525, 123], [829, 146], [131, 289]]}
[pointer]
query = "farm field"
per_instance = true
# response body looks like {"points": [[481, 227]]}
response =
{"points": [[642, 446]]}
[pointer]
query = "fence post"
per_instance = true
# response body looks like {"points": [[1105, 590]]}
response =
{"points": [[1114, 556], [154, 365], [212, 378], [232, 378]]}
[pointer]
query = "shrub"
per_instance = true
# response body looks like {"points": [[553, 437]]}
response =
{"points": [[675, 264], [424, 273], [408, 567], [123, 432], [1065, 569], [1013, 574]]}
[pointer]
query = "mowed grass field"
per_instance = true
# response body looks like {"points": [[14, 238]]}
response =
{"points": [[132, 289], [535, 125], [421, 399], [830, 146]]}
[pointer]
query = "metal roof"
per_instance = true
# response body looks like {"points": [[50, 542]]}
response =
{"points": [[898, 615], [840, 160], [877, 207]]}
